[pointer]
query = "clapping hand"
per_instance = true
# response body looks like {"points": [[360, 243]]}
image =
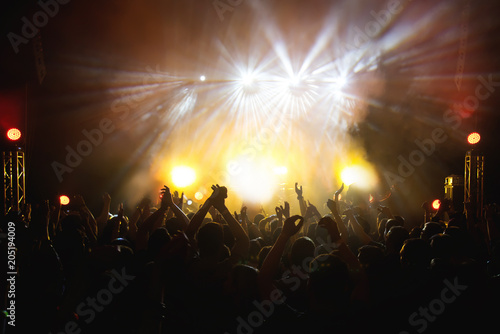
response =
{"points": [[218, 196], [283, 211], [166, 198], [291, 226]]}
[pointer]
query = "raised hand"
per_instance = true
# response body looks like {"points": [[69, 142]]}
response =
{"points": [[284, 211], [332, 228], [298, 191], [291, 226], [243, 214], [106, 198], [314, 210], [120, 211], [332, 205], [166, 198], [338, 192], [178, 200], [218, 196], [279, 213]]}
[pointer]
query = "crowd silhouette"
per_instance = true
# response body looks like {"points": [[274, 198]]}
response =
{"points": [[166, 270]]}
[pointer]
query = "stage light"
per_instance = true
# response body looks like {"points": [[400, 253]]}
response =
{"points": [[189, 202], [256, 182], [13, 134], [294, 81], [474, 138], [203, 78], [64, 200], [341, 82], [363, 176], [198, 196], [280, 170], [348, 176], [248, 80], [436, 204], [183, 176]]}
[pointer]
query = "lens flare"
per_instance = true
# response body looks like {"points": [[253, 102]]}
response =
{"points": [[198, 196], [183, 176]]}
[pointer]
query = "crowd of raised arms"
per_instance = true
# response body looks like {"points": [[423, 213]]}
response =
{"points": [[360, 267]]}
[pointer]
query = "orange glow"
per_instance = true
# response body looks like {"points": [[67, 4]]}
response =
{"points": [[436, 204], [198, 195], [474, 138], [13, 134], [64, 200]]}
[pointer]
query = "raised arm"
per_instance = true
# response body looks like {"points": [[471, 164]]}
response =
{"points": [[271, 263], [177, 211], [136, 216], [344, 251], [357, 228], [104, 215], [302, 202], [149, 225], [332, 205], [242, 243], [197, 219], [89, 220]]}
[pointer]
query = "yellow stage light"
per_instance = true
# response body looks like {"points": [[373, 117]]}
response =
{"points": [[280, 170], [183, 176], [256, 182], [363, 176]]}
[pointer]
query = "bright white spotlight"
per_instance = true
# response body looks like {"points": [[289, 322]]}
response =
{"points": [[341, 82], [294, 81], [256, 182], [203, 78], [248, 80], [280, 170], [183, 176], [349, 175], [362, 176]]}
